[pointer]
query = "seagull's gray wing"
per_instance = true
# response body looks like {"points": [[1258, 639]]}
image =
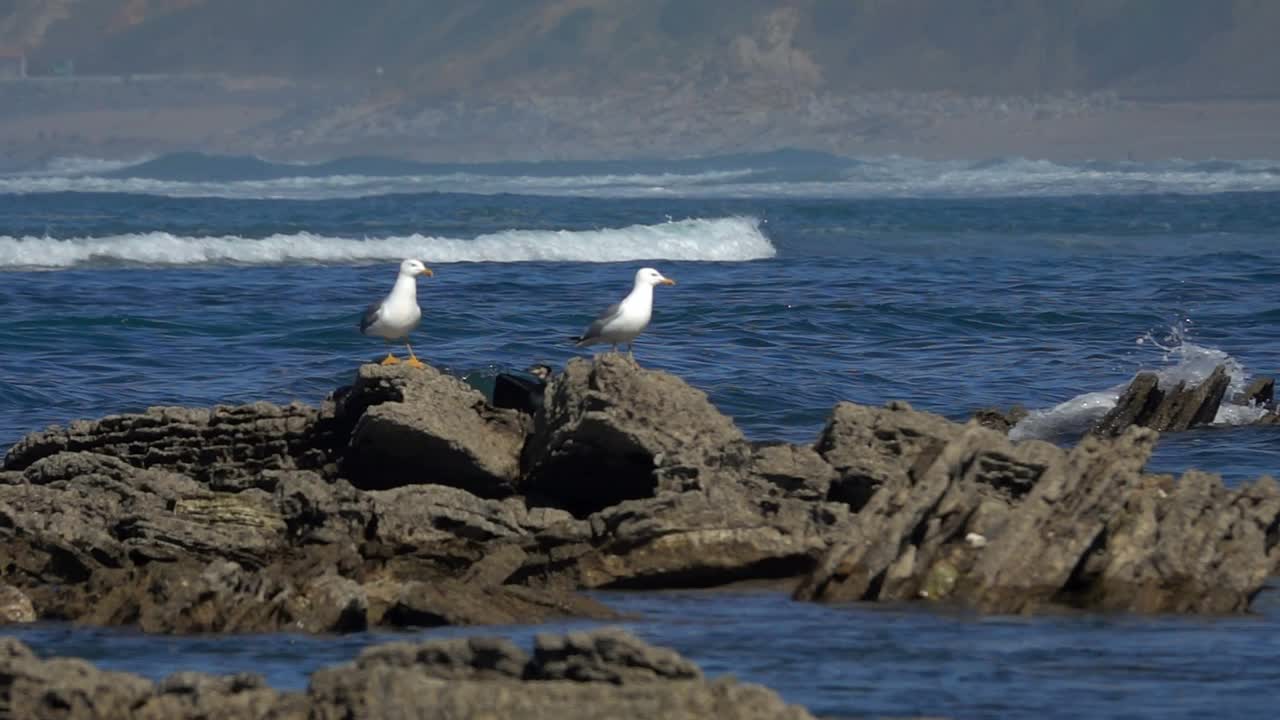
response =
{"points": [[597, 326], [370, 316]]}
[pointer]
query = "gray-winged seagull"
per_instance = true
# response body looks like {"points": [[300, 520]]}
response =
{"points": [[621, 323], [398, 313]]}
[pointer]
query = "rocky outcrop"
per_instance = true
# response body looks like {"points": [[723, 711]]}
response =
{"points": [[606, 673], [223, 444], [1261, 392], [426, 427], [964, 515], [408, 501], [607, 425], [92, 538], [1145, 404]]}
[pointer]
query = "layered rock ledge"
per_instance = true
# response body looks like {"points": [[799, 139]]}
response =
{"points": [[606, 673], [406, 499]]}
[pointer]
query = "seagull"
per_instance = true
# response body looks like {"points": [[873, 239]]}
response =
{"points": [[621, 323], [398, 313]]}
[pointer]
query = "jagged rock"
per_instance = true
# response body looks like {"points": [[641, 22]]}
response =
{"points": [[418, 425], [329, 603], [197, 696], [1189, 546], [15, 606], [451, 602], [69, 689], [699, 538], [592, 675], [1007, 527], [218, 444], [869, 447], [796, 471], [35, 689], [1145, 404], [80, 511], [220, 596], [607, 655], [607, 424], [420, 514], [317, 510], [1259, 393], [476, 658]]}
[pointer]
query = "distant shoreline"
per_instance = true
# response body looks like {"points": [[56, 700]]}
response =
{"points": [[124, 117]]}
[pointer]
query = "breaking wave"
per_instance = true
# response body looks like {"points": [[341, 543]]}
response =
{"points": [[733, 239]]}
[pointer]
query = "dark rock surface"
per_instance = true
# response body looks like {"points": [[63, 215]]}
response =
{"points": [[606, 673], [608, 424], [1145, 404], [427, 427], [965, 515], [221, 444], [407, 501], [1261, 392]]}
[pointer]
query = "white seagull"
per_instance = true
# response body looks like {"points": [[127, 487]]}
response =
{"points": [[398, 313], [621, 323]]}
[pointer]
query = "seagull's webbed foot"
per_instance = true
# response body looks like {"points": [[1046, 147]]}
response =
{"points": [[414, 362], [390, 360]]}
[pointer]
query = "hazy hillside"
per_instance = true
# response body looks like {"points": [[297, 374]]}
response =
{"points": [[1183, 48]]}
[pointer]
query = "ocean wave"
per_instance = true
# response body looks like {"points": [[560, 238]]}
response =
{"points": [[762, 175], [1189, 363], [766, 174], [332, 187], [733, 239]]}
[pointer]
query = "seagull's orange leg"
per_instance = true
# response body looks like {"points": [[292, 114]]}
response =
{"points": [[413, 360], [390, 359]]}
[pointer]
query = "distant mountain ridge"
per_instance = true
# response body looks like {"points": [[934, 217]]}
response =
{"points": [[432, 49]]}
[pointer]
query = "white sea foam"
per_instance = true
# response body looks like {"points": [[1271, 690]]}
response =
{"points": [[1186, 362], [79, 165], [732, 239], [882, 177], [354, 186]]}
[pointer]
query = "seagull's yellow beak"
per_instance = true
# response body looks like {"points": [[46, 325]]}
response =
{"points": [[667, 281], [427, 271]]}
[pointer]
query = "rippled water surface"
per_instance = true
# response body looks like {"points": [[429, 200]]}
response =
{"points": [[111, 302]]}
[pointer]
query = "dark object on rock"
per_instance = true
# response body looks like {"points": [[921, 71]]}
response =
{"points": [[520, 392], [1145, 404], [606, 673]]}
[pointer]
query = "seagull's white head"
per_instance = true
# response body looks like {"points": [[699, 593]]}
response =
{"points": [[652, 278], [413, 268]]}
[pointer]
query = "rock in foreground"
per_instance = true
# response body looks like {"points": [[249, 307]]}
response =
{"points": [[606, 673]]}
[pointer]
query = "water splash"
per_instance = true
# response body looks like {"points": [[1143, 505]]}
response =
{"points": [[1183, 361]]}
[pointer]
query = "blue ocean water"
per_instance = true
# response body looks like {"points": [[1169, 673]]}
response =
{"points": [[803, 280]]}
